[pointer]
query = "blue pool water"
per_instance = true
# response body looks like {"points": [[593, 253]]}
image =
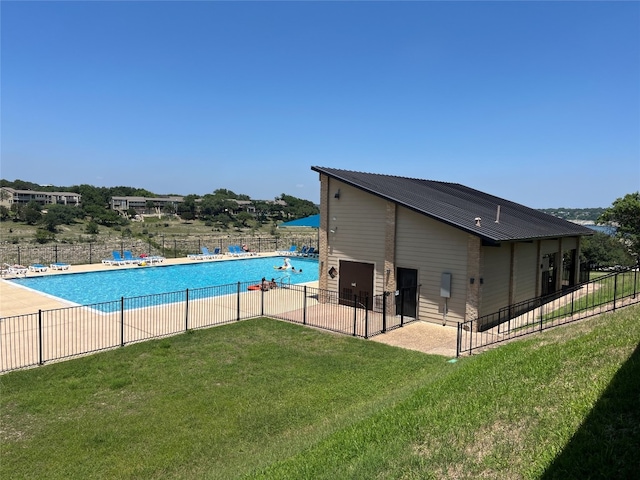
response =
{"points": [[109, 285]]}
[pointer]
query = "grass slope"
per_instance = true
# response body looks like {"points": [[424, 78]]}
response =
{"points": [[267, 399]]}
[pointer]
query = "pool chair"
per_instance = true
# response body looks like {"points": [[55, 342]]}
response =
{"points": [[292, 251], [211, 255], [233, 251], [59, 266], [131, 260], [204, 255], [37, 267], [151, 259], [303, 251], [311, 252], [14, 269], [240, 252], [115, 260]]}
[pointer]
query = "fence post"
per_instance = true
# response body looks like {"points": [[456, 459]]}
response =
{"points": [[19, 262], [40, 336], [402, 307], [615, 290], [122, 321], [304, 306], [355, 314], [186, 311], [459, 340], [384, 311], [261, 299], [90, 253], [55, 250], [542, 313], [635, 279], [366, 317], [238, 303]]}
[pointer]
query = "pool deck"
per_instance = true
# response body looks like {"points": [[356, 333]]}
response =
{"points": [[16, 300]]}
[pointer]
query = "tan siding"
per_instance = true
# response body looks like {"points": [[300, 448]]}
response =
{"points": [[433, 248], [358, 222], [495, 288], [569, 243], [548, 246], [525, 271]]}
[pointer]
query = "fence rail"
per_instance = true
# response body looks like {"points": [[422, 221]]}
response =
{"points": [[57, 334], [603, 294], [169, 247]]}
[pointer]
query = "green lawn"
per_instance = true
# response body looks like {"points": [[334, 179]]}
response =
{"points": [[267, 399]]}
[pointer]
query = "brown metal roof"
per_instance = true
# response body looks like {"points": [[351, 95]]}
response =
{"points": [[459, 206]]}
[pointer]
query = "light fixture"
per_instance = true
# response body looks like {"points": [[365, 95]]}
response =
{"points": [[337, 194]]}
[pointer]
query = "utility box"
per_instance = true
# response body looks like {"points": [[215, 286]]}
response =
{"points": [[445, 285]]}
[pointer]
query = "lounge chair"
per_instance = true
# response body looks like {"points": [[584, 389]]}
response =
{"points": [[292, 251], [233, 251], [37, 267], [204, 255], [130, 259], [115, 260], [211, 255], [14, 269], [59, 266], [241, 252], [151, 259], [303, 252], [311, 252]]}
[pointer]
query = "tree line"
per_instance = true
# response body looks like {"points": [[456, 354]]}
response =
{"points": [[217, 208]]}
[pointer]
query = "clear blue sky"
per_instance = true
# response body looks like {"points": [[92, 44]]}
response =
{"points": [[536, 102]]}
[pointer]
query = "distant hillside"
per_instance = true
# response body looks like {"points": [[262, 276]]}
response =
{"points": [[583, 214]]}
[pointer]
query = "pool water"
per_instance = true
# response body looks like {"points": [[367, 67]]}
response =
{"points": [[110, 285]]}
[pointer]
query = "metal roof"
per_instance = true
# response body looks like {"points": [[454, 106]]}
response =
{"points": [[460, 206]]}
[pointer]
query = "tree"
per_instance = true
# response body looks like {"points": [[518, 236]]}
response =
{"points": [[601, 249], [60, 214], [32, 213], [624, 214], [91, 228]]}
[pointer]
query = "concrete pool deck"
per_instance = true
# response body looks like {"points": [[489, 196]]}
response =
{"points": [[420, 336]]}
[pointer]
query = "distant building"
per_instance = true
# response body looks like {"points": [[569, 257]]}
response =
{"points": [[11, 196], [139, 204]]}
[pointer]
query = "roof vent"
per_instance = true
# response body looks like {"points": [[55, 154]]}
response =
{"points": [[478, 219], [498, 215]]}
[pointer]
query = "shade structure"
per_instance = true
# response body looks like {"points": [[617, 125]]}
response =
{"points": [[312, 221]]}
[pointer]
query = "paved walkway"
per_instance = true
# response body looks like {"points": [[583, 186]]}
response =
{"points": [[424, 337]]}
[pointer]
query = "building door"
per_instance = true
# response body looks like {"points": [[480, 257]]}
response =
{"points": [[407, 289], [356, 280]]}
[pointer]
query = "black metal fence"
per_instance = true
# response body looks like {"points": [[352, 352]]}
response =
{"points": [[50, 335], [605, 293], [174, 247]]}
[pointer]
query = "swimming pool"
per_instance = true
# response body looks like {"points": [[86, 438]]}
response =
{"points": [[109, 285]]}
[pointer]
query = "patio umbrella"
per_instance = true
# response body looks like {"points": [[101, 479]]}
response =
{"points": [[312, 221]]}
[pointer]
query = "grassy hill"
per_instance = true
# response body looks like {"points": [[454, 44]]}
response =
{"points": [[267, 399]]}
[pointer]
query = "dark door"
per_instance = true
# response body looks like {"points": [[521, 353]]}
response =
{"points": [[407, 287], [356, 280]]}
